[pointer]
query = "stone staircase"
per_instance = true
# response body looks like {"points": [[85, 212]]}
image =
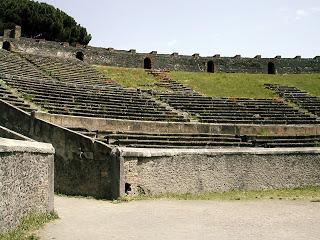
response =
{"points": [[302, 99], [238, 110], [166, 82], [11, 64]]}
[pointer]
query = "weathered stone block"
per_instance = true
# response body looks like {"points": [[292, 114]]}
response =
{"points": [[26, 180]]}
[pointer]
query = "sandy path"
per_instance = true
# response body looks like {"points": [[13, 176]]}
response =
{"points": [[162, 219]]}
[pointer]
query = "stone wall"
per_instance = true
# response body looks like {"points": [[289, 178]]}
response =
{"points": [[26, 180], [82, 166], [157, 171], [7, 133], [194, 63], [102, 124]]}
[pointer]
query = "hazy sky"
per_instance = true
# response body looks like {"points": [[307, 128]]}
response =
{"points": [[208, 27]]}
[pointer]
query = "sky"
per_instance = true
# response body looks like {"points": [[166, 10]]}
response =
{"points": [[208, 27]]}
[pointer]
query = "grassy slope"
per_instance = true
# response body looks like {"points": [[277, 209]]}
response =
{"points": [[129, 77], [245, 85], [219, 84]]}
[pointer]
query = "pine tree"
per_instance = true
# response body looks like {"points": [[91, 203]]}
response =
{"points": [[41, 20]]}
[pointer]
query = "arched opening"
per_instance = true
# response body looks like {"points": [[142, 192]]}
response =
{"points": [[80, 56], [271, 68], [147, 63], [210, 67], [7, 46]]}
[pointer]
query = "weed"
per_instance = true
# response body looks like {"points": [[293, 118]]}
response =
{"points": [[29, 224], [27, 97], [311, 193], [264, 132]]}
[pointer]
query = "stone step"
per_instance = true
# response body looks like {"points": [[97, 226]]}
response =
{"points": [[170, 138], [125, 142]]}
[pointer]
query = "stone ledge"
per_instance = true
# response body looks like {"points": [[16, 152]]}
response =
{"points": [[94, 124], [7, 133], [9, 145], [152, 152], [60, 119]]}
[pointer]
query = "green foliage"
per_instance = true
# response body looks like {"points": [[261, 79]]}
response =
{"points": [[306, 193], [264, 132], [27, 97], [245, 85], [41, 20], [28, 224]]}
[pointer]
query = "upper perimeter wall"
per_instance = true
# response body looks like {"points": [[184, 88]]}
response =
{"points": [[194, 63]]}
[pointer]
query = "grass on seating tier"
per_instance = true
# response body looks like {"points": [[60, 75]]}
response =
{"points": [[130, 77], [245, 85]]}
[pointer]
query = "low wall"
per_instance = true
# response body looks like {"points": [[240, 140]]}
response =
{"points": [[156, 171], [26, 180], [102, 124], [7, 133], [82, 166]]}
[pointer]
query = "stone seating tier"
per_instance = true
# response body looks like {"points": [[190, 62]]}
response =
{"points": [[201, 140], [237, 110], [12, 64], [67, 70], [301, 98], [8, 97], [70, 99]]}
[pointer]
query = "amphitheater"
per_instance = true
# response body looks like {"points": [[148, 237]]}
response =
{"points": [[111, 140]]}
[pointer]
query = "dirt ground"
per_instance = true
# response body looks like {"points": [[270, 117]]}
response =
{"points": [[172, 219]]}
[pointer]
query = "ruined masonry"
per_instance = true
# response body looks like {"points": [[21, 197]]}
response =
{"points": [[110, 140]]}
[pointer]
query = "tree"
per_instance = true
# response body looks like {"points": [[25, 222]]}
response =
{"points": [[41, 20]]}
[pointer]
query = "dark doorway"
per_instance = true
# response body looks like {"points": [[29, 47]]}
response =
{"points": [[147, 63], [271, 68], [80, 56], [210, 67], [127, 188], [6, 46]]}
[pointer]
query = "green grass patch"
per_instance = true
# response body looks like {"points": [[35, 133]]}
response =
{"points": [[245, 85], [129, 77], [27, 97], [307, 193], [3, 84], [28, 225]]}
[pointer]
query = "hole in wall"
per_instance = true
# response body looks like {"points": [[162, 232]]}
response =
{"points": [[147, 63], [80, 56], [7, 46], [127, 188], [271, 68], [210, 67]]}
